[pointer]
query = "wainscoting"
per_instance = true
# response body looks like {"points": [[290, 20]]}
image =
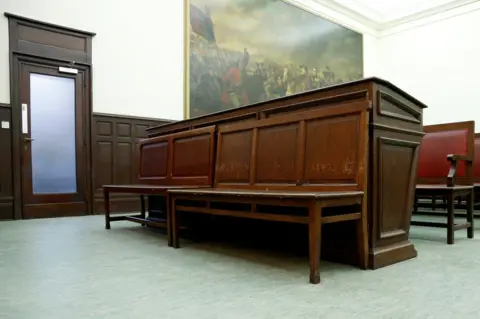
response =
{"points": [[115, 156], [6, 177]]}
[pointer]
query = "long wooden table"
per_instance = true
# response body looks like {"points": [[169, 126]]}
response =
{"points": [[395, 130]]}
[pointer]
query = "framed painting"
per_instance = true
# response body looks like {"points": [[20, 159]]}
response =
{"points": [[240, 52]]}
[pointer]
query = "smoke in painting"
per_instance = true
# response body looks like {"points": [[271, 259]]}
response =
{"points": [[247, 51]]}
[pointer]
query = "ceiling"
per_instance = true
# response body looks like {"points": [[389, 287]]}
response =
{"points": [[382, 14]]}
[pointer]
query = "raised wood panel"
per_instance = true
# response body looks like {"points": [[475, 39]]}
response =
{"points": [[391, 106], [185, 158], [233, 157], [300, 150], [115, 156], [6, 176], [396, 158], [28, 36], [192, 156], [327, 160]]}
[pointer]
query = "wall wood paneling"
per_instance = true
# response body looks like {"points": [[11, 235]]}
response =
{"points": [[115, 156], [6, 177]]}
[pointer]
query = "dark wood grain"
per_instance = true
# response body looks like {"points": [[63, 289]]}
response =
{"points": [[184, 158], [395, 130], [262, 173], [6, 174], [115, 153]]}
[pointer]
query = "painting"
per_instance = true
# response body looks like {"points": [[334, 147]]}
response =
{"points": [[240, 52]]}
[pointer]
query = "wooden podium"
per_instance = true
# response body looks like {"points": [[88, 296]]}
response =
{"points": [[395, 131]]}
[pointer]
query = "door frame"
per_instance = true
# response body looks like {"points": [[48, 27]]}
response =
{"points": [[37, 42], [18, 61], [82, 160]]}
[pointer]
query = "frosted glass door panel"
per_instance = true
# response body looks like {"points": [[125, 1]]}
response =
{"points": [[52, 124]]}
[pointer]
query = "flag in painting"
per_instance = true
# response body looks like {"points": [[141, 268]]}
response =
{"points": [[201, 23]]}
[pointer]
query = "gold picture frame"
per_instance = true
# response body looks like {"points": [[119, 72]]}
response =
{"points": [[358, 48]]}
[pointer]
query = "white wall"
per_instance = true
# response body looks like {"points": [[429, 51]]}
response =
{"points": [[137, 52], [437, 60], [125, 79]]}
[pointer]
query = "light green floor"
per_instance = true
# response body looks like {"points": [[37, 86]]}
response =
{"points": [[70, 268]]}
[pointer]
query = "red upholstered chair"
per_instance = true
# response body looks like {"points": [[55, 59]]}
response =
{"points": [[445, 170], [476, 167]]}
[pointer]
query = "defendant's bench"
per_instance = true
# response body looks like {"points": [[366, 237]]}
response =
{"points": [[290, 168]]}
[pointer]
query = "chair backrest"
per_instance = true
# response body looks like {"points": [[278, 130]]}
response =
{"points": [[476, 162], [440, 141], [184, 158], [321, 149]]}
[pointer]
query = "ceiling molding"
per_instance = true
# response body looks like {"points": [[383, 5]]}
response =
{"points": [[353, 18], [453, 12], [338, 14], [426, 13]]}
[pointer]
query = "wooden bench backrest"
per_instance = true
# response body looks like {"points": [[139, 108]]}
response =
{"points": [[317, 150], [439, 141], [184, 158], [476, 162]]}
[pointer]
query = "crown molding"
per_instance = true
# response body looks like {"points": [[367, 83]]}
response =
{"points": [[426, 13], [331, 11], [432, 18], [355, 20]]}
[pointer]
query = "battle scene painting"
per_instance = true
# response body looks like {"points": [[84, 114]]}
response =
{"points": [[242, 52]]}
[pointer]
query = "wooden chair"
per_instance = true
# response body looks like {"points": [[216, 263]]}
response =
{"points": [[445, 170]]}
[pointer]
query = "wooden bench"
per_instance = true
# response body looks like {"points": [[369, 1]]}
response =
{"points": [[174, 161], [445, 170], [395, 132], [312, 162]]}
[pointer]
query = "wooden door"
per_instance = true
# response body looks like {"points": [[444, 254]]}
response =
{"points": [[52, 142]]}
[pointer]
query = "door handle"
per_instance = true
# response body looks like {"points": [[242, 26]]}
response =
{"points": [[28, 139]]}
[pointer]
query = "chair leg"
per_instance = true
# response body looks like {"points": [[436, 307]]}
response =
{"points": [[314, 240], [450, 218], [415, 204], [470, 219]]}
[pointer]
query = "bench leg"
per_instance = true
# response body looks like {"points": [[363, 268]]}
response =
{"points": [[106, 203], [470, 200], [450, 218], [434, 202], [314, 240], [169, 219], [362, 239], [174, 228], [142, 208]]}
